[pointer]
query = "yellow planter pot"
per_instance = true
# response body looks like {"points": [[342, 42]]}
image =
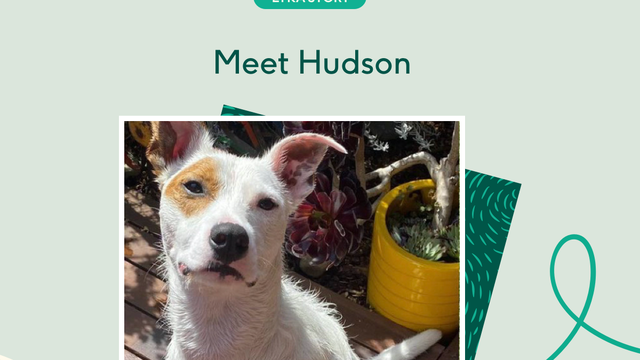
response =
{"points": [[416, 293]]}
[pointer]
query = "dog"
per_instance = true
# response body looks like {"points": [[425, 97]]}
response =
{"points": [[223, 221]]}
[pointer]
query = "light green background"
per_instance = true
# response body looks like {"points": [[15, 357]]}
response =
{"points": [[549, 90]]}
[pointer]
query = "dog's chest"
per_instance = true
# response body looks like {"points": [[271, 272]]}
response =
{"points": [[235, 339], [283, 348]]}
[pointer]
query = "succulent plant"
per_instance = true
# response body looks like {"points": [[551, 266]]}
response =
{"points": [[423, 243], [452, 236], [414, 233], [326, 226]]}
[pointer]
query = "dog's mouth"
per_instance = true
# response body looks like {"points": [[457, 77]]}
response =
{"points": [[222, 270]]}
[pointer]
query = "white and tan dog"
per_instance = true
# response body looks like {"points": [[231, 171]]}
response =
{"points": [[223, 222]]}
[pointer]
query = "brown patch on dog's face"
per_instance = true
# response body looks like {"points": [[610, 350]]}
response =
{"points": [[203, 172]]}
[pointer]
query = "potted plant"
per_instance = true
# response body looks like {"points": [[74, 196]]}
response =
{"points": [[414, 269]]}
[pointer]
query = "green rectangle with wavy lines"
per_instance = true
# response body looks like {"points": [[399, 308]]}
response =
{"points": [[490, 205]]}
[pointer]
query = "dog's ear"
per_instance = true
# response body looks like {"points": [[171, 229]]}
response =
{"points": [[295, 159], [171, 140]]}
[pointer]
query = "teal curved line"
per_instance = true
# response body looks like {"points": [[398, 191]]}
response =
{"points": [[494, 218], [474, 180], [489, 199], [490, 239], [469, 239], [480, 181], [592, 287], [492, 229], [477, 259]]}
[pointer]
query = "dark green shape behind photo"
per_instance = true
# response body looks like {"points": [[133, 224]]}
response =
{"points": [[233, 111], [490, 205]]}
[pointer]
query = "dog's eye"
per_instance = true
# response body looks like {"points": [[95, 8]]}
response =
{"points": [[193, 187], [266, 204]]}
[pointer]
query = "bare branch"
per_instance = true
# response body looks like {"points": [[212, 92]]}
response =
{"points": [[386, 173], [445, 187], [442, 173], [360, 171]]}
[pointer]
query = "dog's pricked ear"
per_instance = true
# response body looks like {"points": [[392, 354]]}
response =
{"points": [[170, 141], [295, 159]]}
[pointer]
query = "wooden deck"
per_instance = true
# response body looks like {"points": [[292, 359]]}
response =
{"points": [[145, 334]]}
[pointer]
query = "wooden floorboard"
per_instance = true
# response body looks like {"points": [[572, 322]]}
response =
{"points": [[144, 290], [452, 352], [142, 210], [364, 326], [143, 334], [128, 355], [144, 248]]}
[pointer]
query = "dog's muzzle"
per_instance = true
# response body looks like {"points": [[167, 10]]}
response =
{"points": [[229, 242], [222, 270]]}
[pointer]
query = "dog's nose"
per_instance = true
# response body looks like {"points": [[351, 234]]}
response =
{"points": [[229, 242]]}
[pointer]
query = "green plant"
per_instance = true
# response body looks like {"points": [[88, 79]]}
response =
{"points": [[451, 235], [413, 231], [422, 243]]}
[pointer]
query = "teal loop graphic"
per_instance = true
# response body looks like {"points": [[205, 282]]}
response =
{"points": [[592, 286]]}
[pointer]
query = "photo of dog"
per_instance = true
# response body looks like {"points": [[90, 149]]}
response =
{"points": [[223, 221]]}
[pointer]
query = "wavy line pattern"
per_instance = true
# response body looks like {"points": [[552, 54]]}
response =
{"points": [[490, 205]]}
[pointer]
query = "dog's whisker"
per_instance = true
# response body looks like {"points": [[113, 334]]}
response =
{"points": [[266, 262]]}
